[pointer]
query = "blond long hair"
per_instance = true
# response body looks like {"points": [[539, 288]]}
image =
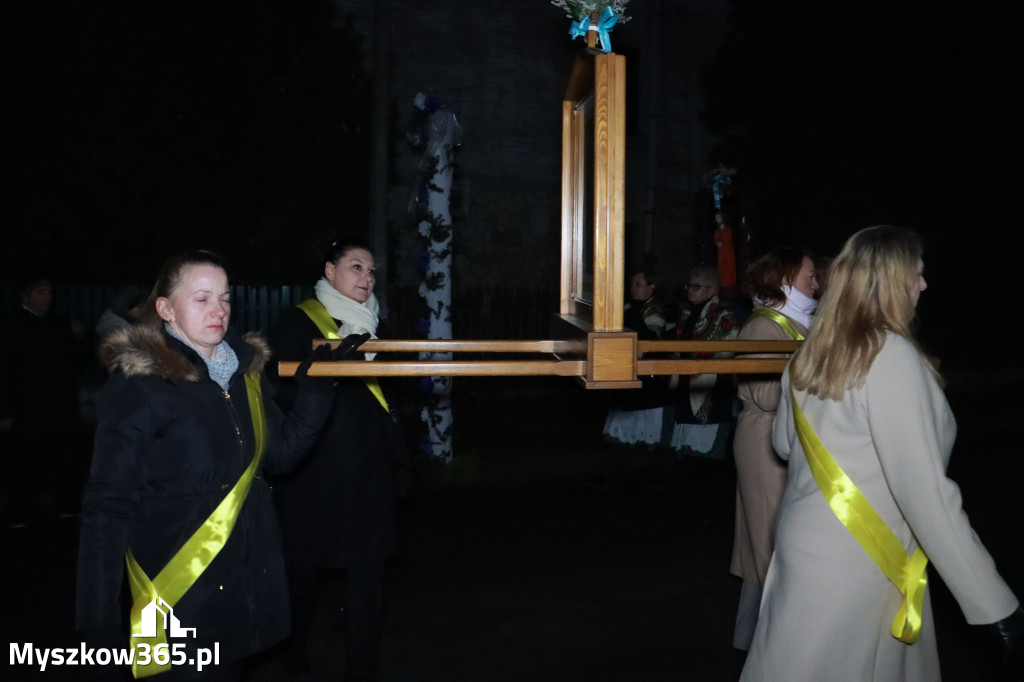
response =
{"points": [[868, 294]]}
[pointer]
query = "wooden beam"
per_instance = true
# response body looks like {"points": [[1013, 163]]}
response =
{"points": [[561, 346], [463, 346], [477, 368], [712, 366], [731, 346]]}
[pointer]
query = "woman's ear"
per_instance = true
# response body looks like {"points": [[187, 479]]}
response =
{"points": [[164, 309], [329, 271]]}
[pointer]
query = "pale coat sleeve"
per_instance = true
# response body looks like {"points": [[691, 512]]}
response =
{"points": [[783, 428], [913, 430]]}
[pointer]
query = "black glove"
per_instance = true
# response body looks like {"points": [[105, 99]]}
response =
{"points": [[315, 384], [1009, 634], [348, 348]]}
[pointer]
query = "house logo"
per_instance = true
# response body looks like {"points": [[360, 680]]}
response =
{"points": [[158, 608]]}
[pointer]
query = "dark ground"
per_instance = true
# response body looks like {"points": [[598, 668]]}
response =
{"points": [[513, 572]]}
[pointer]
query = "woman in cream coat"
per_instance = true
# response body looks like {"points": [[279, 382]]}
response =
{"points": [[878, 409], [782, 283]]}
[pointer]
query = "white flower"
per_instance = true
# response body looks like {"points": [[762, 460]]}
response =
{"points": [[578, 9]]}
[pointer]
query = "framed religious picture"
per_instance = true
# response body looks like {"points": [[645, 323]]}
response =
{"points": [[593, 190]]}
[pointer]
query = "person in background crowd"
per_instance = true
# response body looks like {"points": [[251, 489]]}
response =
{"points": [[41, 353], [127, 307], [867, 431], [703, 412], [635, 421], [822, 265], [782, 285]]}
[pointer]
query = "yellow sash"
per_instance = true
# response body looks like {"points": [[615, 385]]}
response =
{"points": [[198, 552], [850, 506], [779, 319], [325, 323]]}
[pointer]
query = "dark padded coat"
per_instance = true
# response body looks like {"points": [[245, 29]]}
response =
{"points": [[170, 444], [338, 508]]}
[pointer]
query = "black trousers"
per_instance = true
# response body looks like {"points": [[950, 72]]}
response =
{"points": [[362, 613]]}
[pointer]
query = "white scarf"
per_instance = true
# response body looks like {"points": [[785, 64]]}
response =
{"points": [[356, 317], [797, 306]]}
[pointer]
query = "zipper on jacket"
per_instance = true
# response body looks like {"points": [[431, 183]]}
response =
{"points": [[238, 427], [242, 526]]}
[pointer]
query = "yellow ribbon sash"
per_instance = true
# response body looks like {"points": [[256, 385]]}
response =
{"points": [[198, 552], [850, 506], [779, 319], [325, 323]]}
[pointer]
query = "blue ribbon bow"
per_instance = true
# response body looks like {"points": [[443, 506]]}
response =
{"points": [[578, 29]]}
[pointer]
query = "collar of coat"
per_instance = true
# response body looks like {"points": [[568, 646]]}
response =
{"points": [[144, 350]]}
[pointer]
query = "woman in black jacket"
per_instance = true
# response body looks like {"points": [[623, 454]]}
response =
{"points": [[338, 508], [176, 487]]}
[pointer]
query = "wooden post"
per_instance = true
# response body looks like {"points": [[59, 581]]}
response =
{"points": [[609, 190]]}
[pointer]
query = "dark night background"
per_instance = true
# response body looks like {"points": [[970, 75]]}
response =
{"points": [[876, 112], [131, 130]]}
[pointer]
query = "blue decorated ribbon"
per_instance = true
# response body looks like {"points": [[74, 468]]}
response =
{"points": [[578, 29], [604, 26]]}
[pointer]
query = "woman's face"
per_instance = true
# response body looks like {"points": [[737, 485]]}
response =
{"points": [[699, 290], [919, 284], [199, 308], [806, 281], [639, 288], [354, 275]]}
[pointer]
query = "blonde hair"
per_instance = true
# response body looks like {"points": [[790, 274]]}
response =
{"points": [[868, 294]]}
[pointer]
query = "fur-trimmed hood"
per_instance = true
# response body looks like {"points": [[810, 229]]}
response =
{"points": [[143, 350]]}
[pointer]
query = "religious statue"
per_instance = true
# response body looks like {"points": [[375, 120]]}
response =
{"points": [[723, 238]]}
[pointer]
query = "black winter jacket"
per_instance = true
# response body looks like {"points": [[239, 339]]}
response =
{"points": [[338, 508], [170, 444]]}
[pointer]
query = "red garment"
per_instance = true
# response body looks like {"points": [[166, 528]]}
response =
{"points": [[726, 256]]}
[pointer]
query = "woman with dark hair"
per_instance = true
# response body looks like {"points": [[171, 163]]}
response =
{"points": [[635, 420], [185, 431], [338, 510], [868, 433], [782, 285]]}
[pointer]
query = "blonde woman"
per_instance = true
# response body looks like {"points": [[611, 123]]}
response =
{"points": [[867, 431]]}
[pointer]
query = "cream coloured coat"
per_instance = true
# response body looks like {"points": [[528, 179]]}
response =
{"points": [[760, 474], [827, 608]]}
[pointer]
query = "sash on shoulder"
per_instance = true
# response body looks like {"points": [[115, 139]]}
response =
{"points": [[198, 552], [325, 323], [779, 319], [855, 512]]}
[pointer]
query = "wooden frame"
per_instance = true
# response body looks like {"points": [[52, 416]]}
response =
{"points": [[602, 77], [590, 342]]}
